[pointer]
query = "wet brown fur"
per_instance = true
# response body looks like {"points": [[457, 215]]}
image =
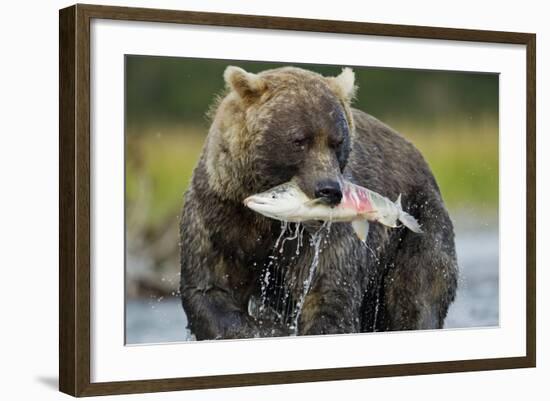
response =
{"points": [[290, 123]]}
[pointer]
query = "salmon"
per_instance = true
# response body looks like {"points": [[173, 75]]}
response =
{"points": [[359, 205]]}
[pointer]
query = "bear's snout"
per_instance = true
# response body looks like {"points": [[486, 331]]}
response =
{"points": [[329, 191]]}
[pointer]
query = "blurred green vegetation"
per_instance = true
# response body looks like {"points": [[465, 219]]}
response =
{"points": [[168, 90], [452, 117], [465, 165]]}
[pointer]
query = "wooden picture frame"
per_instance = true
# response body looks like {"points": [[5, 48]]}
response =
{"points": [[74, 200]]}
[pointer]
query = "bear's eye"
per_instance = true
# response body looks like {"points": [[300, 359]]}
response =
{"points": [[336, 143], [300, 143]]}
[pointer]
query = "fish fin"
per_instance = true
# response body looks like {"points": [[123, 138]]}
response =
{"points": [[361, 228], [398, 202], [409, 222], [405, 218]]}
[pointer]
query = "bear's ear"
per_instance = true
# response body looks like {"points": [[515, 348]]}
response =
{"points": [[249, 86], [344, 84]]}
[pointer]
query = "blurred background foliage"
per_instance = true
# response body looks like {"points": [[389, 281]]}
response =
{"points": [[166, 90], [452, 117]]}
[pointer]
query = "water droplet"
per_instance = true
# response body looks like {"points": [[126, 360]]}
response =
{"points": [[315, 241]]}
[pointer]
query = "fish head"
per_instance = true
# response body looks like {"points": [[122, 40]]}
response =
{"points": [[282, 202]]}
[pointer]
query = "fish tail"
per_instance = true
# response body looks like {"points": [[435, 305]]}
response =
{"points": [[407, 220]]}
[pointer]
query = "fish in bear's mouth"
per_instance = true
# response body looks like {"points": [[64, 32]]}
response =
{"points": [[359, 205]]}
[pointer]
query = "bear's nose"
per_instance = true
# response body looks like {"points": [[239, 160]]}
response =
{"points": [[329, 191]]}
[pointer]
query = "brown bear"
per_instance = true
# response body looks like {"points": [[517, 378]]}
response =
{"points": [[290, 123]]}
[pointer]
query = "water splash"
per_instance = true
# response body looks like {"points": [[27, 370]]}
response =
{"points": [[278, 277], [315, 241], [376, 310], [264, 284], [272, 264], [371, 251], [300, 240], [291, 238], [284, 225]]}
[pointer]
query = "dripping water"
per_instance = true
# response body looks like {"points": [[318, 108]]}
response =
{"points": [[284, 225], [300, 240], [273, 273], [375, 257], [283, 286], [291, 238], [315, 241], [266, 273], [277, 274]]}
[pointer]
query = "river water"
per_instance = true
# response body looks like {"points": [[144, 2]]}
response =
{"points": [[160, 320]]}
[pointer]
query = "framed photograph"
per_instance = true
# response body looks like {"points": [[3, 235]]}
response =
{"points": [[250, 200]]}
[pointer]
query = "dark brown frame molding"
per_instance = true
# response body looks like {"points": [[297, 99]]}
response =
{"points": [[74, 199]]}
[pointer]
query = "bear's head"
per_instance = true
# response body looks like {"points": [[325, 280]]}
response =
{"points": [[281, 124]]}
